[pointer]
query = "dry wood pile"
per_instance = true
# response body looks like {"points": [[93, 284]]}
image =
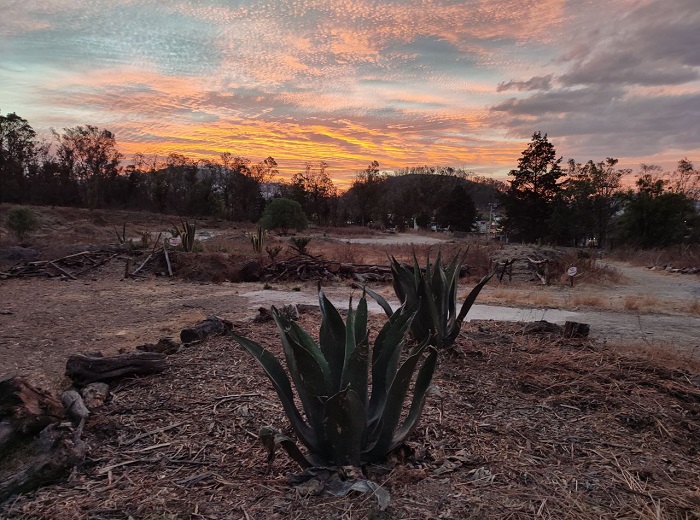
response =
{"points": [[308, 267], [69, 267]]}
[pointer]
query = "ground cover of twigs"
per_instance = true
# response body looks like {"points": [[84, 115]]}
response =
{"points": [[520, 426]]}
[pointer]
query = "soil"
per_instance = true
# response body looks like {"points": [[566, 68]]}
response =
{"points": [[522, 426]]}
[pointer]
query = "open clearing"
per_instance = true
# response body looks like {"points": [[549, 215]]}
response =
{"points": [[523, 425]]}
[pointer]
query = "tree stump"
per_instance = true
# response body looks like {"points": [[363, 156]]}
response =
{"points": [[42, 460], [573, 329], [84, 369], [24, 410], [210, 326]]}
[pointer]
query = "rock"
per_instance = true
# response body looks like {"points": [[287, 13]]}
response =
{"points": [[95, 395], [74, 405]]}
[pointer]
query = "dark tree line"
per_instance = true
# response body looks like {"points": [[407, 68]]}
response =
{"points": [[587, 204], [82, 167], [544, 201]]}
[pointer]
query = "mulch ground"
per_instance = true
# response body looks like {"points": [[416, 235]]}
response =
{"points": [[521, 426]]}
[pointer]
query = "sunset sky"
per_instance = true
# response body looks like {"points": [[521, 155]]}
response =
{"points": [[403, 82]]}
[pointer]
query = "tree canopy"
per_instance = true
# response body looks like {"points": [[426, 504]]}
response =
{"points": [[529, 201]]}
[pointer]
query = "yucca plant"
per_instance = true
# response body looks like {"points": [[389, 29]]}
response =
{"points": [[186, 232], [433, 292], [258, 241], [342, 424]]}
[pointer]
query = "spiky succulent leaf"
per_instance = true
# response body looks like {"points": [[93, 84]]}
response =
{"points": [[381, 435], [355, 369], [381, 301], [307, 367], [385, 358], [274, 371], [472, 296], [466, 306], [420, 389], [332, 339], [344, 427]]}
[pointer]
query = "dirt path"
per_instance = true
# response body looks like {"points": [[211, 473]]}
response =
{"points": [[43, 321]]}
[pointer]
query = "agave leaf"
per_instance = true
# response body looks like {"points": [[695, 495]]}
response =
{"points": [[403, 280], [344, 427], [385, 358], [423, 380], [312, 370], [274, 371], [355, 369], [381, 301], [472, 296], [332, 338], [417, 271], [451, 275], [361, 319], [423, 325], [271, 438], [382, 433], [307, 367]]}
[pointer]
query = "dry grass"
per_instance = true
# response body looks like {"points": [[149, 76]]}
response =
{"points": [[642, 304], [588, 300], [677, 256]]}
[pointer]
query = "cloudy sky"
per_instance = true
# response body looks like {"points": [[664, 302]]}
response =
{"points": [[404, 82]]}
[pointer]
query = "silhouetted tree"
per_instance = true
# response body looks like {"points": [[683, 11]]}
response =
{"points": [[529, 202], [90, 156], [458, 211], [656, 217], [17, 142], [365, 195], [315, 191], [589, 199]]}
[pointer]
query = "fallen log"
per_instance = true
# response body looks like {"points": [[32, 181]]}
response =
{"points": [[24, 410], [210, 326], [84, 369]]}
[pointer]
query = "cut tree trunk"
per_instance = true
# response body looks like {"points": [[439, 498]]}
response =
{"points": [[211, 325], [24, 410], [84, 369]]}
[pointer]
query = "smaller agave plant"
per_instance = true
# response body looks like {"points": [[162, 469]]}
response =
{"points": [[433, 292], [343, 423]]}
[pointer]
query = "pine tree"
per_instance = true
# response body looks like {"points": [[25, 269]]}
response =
{"points": [[529, 202]]}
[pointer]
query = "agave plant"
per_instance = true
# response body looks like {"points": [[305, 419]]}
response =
{"points": [[343, 423], [434, 293]]}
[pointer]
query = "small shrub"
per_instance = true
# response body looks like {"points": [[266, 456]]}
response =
{"points": [[22, 222], [299, 244], [272, 252], [284, 214]]}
